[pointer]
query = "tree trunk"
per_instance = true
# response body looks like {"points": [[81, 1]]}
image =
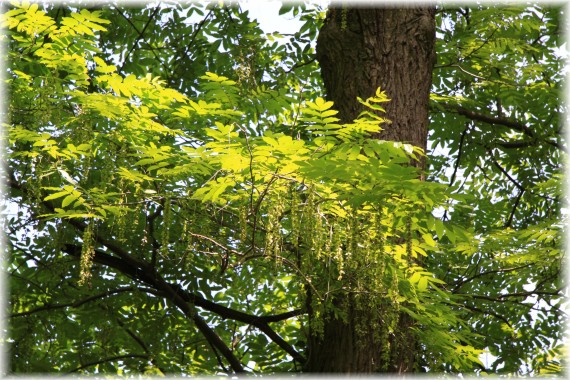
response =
{"points": [[360, 50]]}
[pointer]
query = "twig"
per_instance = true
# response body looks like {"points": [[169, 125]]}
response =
{"points": [[109, 359], [497, 120], [140, 36], [511, 216], [461, 141], [48, 306], [502, 170], [463, 282]]}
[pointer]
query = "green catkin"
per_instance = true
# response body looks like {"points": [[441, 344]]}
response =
{"points": [[294, 215], [107, 174], [87, 255], [32, 191], [328, 242], [166, 222], [184, 232], [380, 263], [269, 239], [134, 218], [409, 237], [336, 249], [86, 164], [125, 218], [317, 240], [308, 221], [352, 240], [185, 237], [121, 224], [145, 235], [84, 132], [380, 233], [243, 231], [273, 227], [386, 304], [190, 224]]}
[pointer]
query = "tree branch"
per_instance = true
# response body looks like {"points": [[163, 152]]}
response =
{"points": [[297, 65], [175, 291], [463, 282], [505, 297], [516, 204], [495, 120], [135, 269], [142, 271], [214, 242], [489, 312], [514, 144], [140, 36], [489, 119], [49, 306], [505, 173], [280, 317], [194, 35], [461, 141], [135, 337], [109, 359], [128, 20], [184, 56]]}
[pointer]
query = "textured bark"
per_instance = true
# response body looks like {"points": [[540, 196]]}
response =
{"points": [[359, 50], [362, 49]]}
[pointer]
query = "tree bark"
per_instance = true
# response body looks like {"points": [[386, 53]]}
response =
{"points": [[359, 50]]}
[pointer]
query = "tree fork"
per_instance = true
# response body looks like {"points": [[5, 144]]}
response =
{"points": [[361, 49]]}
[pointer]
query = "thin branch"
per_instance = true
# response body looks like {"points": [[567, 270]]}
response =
{"points": [[109, 359], [280, 317], [497, 120], [505, 270], [185, 57], [189, 311], [216, 342], [78, 303], [297, 65], [531, 293], [518, 185], [135, 337], [149, 228], [198, 28], [165, 289], [514, 144], [469, 73], [505, 173], [489, 312], [140, 36], [489, 119], [460, 152], [142, 271], [506, 297], [219, 245], [456, 63], [511, 216], [219, 359]]}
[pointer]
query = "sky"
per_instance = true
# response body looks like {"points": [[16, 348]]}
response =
{"points": [[267, 14]]}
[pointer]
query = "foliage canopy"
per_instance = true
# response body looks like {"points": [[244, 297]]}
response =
{"points": [[181, 182]]}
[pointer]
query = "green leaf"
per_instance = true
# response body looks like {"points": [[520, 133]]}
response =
{"points": [[68, 200], [56, 195]]}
